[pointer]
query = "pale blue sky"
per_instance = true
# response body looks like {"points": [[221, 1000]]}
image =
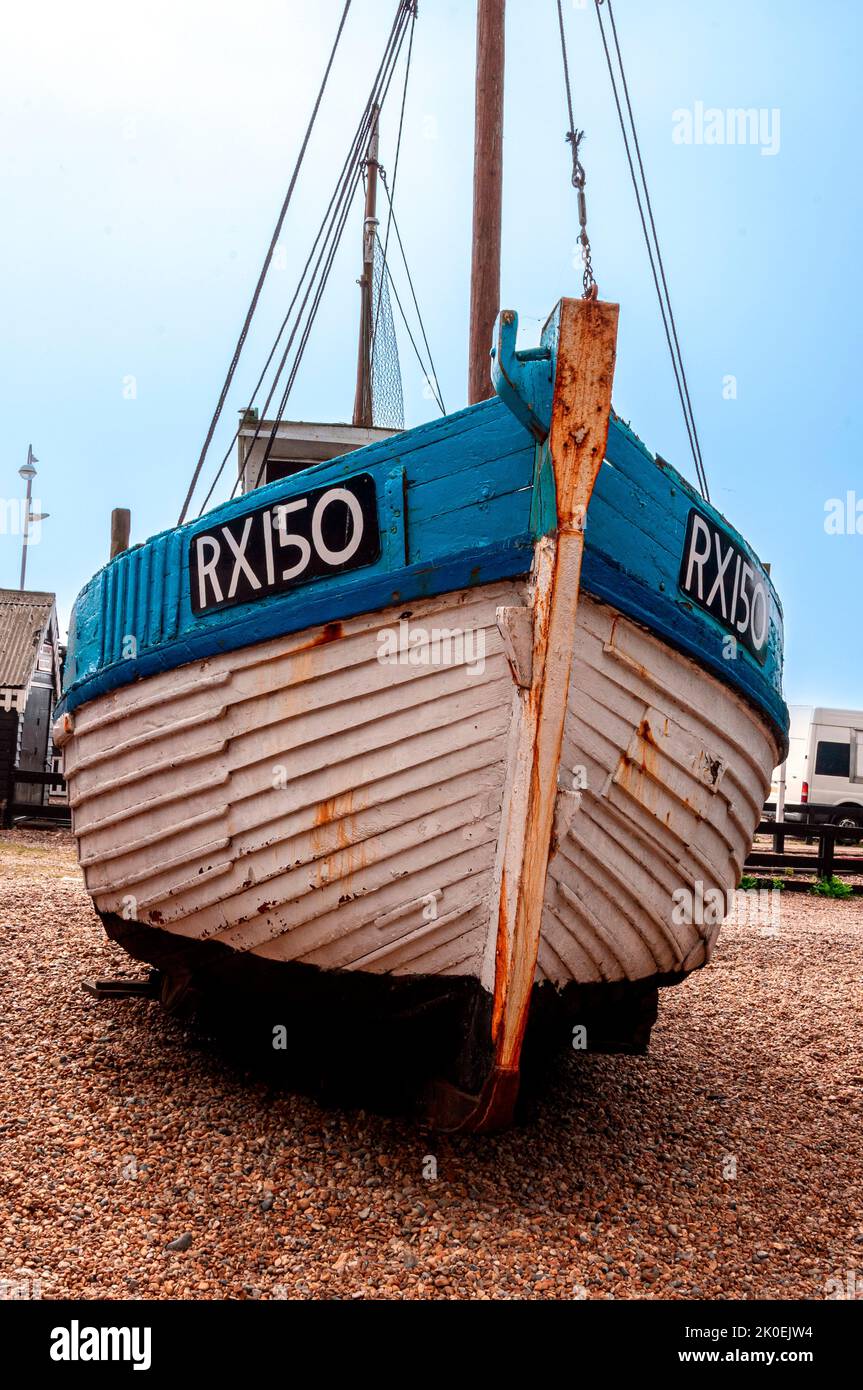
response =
{"points": [[145, 155]]}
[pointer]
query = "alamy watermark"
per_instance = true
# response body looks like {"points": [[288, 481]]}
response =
{"points": [[850, 1287], [731, 125], [77, 1343], [708, 907], [21, 1286], [411, 645], [13, 518], [843, 516]]}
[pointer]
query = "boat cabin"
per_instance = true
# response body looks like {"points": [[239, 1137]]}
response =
{"points": [[297, 445]]}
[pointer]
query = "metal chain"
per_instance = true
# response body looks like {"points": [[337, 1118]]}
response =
{"points": [[591, 289], [574, 138]]}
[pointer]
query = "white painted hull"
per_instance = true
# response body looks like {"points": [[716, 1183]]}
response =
{"points": [[301, 800], [677, 768]]}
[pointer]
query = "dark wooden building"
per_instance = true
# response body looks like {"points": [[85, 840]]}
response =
{"points": [[30, 671]]}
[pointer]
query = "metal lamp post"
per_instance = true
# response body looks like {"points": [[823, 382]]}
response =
{"points": [[28, 472]]}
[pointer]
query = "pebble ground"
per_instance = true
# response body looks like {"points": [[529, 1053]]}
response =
{"points": [[136, 1162]]}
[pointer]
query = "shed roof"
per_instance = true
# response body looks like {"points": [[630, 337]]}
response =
{"points": [[24, 617]]}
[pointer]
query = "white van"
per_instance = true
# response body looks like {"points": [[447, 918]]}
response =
{"points": [[824, 768]]}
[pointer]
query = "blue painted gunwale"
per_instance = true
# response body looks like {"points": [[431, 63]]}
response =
{"points": [[461, 503], [634, 540], [454, 500]]}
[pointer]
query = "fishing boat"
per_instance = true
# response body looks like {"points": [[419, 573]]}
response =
{"points": [[428, 736]]}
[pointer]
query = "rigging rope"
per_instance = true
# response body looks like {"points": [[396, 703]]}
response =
{"points": [[655, 259], [332, 224], [325, 258], [265, 267], [292, 375], [387, 397], [428, 372], [354, 167], [395, 166], [433, 377], [574, 138], [345, 176]]}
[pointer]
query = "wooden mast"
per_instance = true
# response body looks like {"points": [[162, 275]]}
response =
{"points": [[487, 194], [363, 398]]}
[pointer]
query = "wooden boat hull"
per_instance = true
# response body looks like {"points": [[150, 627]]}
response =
{"points": [[376, 856], [454, 812]]}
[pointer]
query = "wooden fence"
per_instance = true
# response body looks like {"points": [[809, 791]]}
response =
{"points": [[823, 863], [30, 810]]}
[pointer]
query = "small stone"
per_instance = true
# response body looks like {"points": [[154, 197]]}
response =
{"points": [[181, 1243]]}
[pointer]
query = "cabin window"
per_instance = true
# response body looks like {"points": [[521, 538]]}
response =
{"points": [[285, 468], [833, 760], [45, 662], [858, 755]]}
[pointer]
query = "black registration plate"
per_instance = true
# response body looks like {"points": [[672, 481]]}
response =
{"points": [[322, 532], [720, 577]]}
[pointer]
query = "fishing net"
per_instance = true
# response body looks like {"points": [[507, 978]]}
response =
{"points": [[388, 410]]}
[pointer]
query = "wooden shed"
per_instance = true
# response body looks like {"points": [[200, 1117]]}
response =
{"points": [[30, 672]]}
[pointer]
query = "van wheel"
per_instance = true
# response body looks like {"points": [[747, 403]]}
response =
{"points": [[852, 821]]}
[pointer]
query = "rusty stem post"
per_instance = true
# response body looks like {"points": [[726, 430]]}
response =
{"points": [[363, 398], [487, 194], [587, 344]]}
